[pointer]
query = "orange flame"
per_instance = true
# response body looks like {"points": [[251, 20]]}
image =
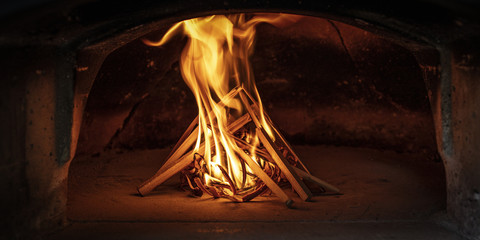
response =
{"points": [[214, 61]]}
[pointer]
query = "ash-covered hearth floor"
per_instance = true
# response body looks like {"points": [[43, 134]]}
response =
{"points": [[386, 192]]}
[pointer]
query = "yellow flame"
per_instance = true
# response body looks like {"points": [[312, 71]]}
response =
{"points": [[214, 60]]}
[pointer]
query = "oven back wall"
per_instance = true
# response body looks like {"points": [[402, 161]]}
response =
{"points": [[322, 82]]}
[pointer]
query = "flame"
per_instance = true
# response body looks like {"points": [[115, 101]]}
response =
{"points": [[214, 61]]}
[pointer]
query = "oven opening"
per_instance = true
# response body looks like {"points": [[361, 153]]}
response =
{"points": [[351, 104]]}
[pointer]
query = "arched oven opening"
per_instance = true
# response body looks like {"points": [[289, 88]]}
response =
{"points": [[353, 104], [377, 102]]}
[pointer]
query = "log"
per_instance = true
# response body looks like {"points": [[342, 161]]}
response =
{"points": [[297, 184]]}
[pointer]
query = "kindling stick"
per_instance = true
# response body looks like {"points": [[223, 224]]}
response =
{"points": [[191, 134], [300, 187], [316, 180], [256, 109], [297, 184], [177, 165], [265, 178], [162, 176]]}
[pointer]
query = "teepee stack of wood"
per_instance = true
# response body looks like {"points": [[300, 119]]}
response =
{"points": [[287, 166]]}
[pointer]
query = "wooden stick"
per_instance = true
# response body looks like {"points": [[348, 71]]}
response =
{"points": [[300, 187], [264, 177], [190, 135], [177, 164], [278, 135], [285, 143], [297, 184], [239, 123], [181, 150], [162, 176], [230, 95], [256, 109], [222, 103], [258, 152], [316, 180], [188, 142], [186, 134], [249, 108], [190, 128]]}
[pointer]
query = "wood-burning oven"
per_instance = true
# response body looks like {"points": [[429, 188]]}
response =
{"points": [[62, 60]]}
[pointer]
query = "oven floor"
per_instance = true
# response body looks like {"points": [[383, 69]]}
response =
{"points": [[255, 230], [377, 186]]}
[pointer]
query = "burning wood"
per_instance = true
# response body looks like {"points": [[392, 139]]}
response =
{"points": [[232, 149]]}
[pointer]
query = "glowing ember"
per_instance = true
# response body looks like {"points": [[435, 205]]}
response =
{"points": [[231, 149]]}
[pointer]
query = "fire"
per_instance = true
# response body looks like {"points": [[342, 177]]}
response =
{"points": [[229, 156]]}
